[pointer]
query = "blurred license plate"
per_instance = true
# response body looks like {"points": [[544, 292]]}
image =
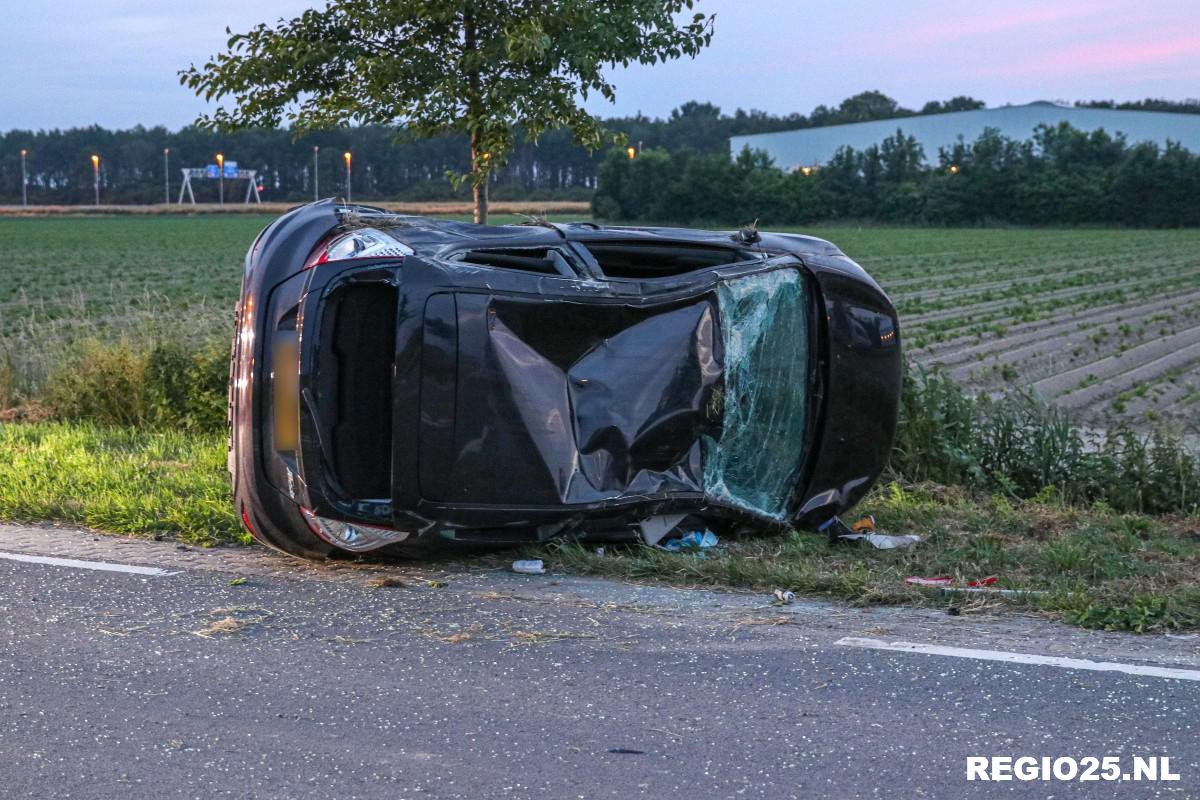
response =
{"points": [[285, 389]]}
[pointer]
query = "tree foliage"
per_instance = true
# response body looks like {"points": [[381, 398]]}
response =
{"points": [[1060, 176], [389, 163], [1000, 179], [483, 68], [1189, 106]]}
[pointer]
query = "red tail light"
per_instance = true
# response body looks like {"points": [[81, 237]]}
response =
{"points": [[361, 243]]}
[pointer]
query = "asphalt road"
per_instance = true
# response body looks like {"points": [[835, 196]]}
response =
{"points": [[306, 681]]}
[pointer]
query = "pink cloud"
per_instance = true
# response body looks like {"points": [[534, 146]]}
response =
{"points": [[1104, 56], [944, 29]]}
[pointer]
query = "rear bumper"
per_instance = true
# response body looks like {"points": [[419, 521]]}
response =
{"points": [[279, 252]]}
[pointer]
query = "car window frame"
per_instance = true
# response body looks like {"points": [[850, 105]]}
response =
{"points": [[570, 259]]}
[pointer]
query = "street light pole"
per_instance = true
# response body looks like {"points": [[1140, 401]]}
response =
{"points": [[346, 156], [316, 190], [96, 177], [167, 175], [24, 179], [221, 178]]}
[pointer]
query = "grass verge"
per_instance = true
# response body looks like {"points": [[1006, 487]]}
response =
{"points": [[1097, 568], [122, 480]]}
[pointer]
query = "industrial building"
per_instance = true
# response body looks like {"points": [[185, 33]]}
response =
{"points": [[810, 147]]}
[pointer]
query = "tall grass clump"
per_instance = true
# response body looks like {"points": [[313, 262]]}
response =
{"points": [[1017, 444], [166, 385], [8, 394]]}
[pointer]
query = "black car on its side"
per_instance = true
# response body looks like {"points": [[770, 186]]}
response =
{"points": [[399, 381]]}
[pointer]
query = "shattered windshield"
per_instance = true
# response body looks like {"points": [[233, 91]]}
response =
{"points": [[756, 460]]}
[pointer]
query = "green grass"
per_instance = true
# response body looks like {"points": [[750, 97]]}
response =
{"points": [[122, 480], [1096, 568], [65, 267]]}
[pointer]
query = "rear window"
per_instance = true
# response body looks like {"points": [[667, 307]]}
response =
{"points": [[662, 259]]}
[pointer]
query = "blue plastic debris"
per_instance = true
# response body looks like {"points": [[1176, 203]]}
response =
{"points": [[696, 540]]}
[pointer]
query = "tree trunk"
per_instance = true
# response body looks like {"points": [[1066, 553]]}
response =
{"points": [[480, 192], [479, 183], [479, 166]]}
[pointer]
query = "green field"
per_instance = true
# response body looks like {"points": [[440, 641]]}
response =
{"points": [[144, 279], [1108, 320], [1103, 322], [86, 271], [996, 305]]}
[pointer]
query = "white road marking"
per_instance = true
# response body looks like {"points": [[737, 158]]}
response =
{"points": [[103, 566], [1022, 658]]}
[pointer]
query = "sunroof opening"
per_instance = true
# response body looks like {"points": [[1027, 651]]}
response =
{"points": [[547, 260], [661, 259]]}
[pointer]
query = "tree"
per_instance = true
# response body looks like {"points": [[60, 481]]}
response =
{"points": [[697, 126], [480, 67], [959, 103]]}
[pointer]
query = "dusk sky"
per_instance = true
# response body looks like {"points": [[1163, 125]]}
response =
{"points": [[70, 63]]}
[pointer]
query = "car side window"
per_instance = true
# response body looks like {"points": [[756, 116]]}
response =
{"points": [[642, 260], [544, 260]]}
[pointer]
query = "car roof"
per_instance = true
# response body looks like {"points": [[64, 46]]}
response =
{"points": [[428, 235]]}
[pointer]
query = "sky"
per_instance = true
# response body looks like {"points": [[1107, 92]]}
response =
{"points": [[68, 63]]}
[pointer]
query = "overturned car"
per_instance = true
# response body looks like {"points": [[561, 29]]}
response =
{"points": [[400, 381]]}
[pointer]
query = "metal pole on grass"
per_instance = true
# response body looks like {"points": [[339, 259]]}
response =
{"points": [[96, 177], [167, 175], [316, 191], [221, 178], [24, 179]]}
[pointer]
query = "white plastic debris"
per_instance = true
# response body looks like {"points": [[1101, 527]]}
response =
{"points": [[883, 541], [655, 528], [534, 567], [948, 590]]}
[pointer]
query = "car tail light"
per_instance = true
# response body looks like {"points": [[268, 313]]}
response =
{"points": [[352, 536], [361, 243]]}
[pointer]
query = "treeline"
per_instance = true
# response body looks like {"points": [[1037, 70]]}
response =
{"points": [[134, 168], [386, 164], [1060, 176], [1189, 106], [389, 166]]}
